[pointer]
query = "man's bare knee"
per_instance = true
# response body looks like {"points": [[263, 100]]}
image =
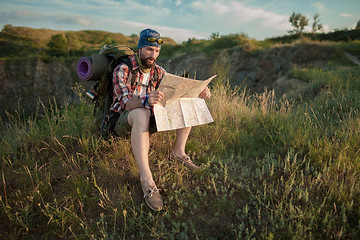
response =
{"points": [[139, 117]]}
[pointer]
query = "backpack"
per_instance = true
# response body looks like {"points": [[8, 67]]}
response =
{"points": [[105, 119]]}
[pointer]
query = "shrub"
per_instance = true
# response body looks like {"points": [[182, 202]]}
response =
{"points": [[57, 46]]}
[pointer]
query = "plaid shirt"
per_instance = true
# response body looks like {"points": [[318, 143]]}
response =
{"points": [[124, 89]]}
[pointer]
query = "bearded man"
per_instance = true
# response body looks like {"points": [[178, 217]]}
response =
{"points": [[135, 94]]}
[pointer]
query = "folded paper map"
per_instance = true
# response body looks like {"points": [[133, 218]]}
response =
{"points": [[181, 107]]}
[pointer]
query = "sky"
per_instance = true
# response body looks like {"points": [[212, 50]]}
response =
{"points": [[179, 19]]}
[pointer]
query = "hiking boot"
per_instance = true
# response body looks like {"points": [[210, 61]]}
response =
{"points": [[153, 198], [186, 160]]}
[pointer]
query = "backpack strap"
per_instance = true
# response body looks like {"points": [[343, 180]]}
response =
{"points": [[132, 73], [156, 74], [107, 115]]}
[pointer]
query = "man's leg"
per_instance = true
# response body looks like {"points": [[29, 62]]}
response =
{"points": [[139, 121], [180, 142], [178, 152]]}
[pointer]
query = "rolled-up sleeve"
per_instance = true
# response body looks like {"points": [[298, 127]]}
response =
{"points": [[122, 87]]}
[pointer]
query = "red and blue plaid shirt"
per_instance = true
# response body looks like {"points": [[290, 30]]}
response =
{"points": [[124, 89]]}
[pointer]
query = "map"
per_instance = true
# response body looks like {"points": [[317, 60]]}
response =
{"points": [[181, 107]]}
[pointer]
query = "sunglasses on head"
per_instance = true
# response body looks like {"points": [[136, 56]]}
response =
{"points": [[154, 39]]}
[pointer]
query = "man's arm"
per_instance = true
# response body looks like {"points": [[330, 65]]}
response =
{"points": [[122, 88], [154, 98], [133, 103]]}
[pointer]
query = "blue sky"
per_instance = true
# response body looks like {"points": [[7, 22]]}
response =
{"points": [[178, 19]]}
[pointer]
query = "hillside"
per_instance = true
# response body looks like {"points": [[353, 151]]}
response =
{"points": [[280, 161], [27, 80], [24, 41]]}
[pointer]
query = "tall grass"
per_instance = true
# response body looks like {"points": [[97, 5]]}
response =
{"points": [[272, 169]]}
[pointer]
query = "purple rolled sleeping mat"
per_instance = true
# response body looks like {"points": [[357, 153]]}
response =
{"points": [[91, 68]]}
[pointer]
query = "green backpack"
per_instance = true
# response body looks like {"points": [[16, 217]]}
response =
{"points": [[103, 88]]}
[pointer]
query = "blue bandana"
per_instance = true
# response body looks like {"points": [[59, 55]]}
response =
{"points": [[144, 35]]}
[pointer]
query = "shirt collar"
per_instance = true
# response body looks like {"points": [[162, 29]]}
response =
{"points": [[135, 65]]}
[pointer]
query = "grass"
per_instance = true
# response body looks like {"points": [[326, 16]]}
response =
{"points": [[213, 46], [272, 169]]}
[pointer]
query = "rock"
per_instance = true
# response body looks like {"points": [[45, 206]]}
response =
{"points": [[198, 66], [27, 81], [288, 88]]}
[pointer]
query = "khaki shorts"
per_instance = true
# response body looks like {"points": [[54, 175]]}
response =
{"points": [[123, 129]]}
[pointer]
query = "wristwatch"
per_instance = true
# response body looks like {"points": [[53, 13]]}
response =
{"points": [[144, 101]]}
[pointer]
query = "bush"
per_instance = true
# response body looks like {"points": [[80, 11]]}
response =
{"points": [[57, 46]]}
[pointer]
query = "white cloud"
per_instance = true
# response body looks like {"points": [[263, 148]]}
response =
{"points": [[319, 6], [197, 4], [326, 28], [220, 8], [164, 11], [246, 14], [21, 15], [185, 19], [83, 21], [178, 34], [159, 2], [30, 16], [243, 14], [276, 21], [346, 15]]}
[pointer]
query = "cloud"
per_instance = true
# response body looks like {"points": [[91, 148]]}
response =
{"points": [[158, 2], [23, 15], [47, 17], [196, 4], [276, 21], [178, 34], [346, 15], [326, 28], [242, 14], [319, 6], [68, 19], [220, 8]]}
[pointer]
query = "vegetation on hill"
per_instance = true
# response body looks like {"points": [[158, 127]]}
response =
{"points": [[29, 42], [25, 42], [336, 36], [212, 46], [272, 169]]}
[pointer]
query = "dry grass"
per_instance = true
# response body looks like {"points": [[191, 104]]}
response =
{"points": [[271, 170]]}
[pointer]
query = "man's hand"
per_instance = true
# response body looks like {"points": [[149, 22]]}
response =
{"points": [[205, 93], [155, 97]]}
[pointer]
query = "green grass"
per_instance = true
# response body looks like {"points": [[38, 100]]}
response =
{"points": [[352, 47], [272, 169]]}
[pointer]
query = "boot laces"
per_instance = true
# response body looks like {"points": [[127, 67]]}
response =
{"points": [[150, 191]]}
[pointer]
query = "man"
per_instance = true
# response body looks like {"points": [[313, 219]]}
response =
{"points": [[135, 94]]}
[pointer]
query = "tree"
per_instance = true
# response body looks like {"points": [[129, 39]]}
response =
{"points": [[57, 45], [108, 40], [72, 40], [299, 22], [214, 35], [358, 25], [316, 26], [8, 28]]}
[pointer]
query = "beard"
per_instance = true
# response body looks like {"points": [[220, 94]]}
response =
{"points": [[147, 62]]}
